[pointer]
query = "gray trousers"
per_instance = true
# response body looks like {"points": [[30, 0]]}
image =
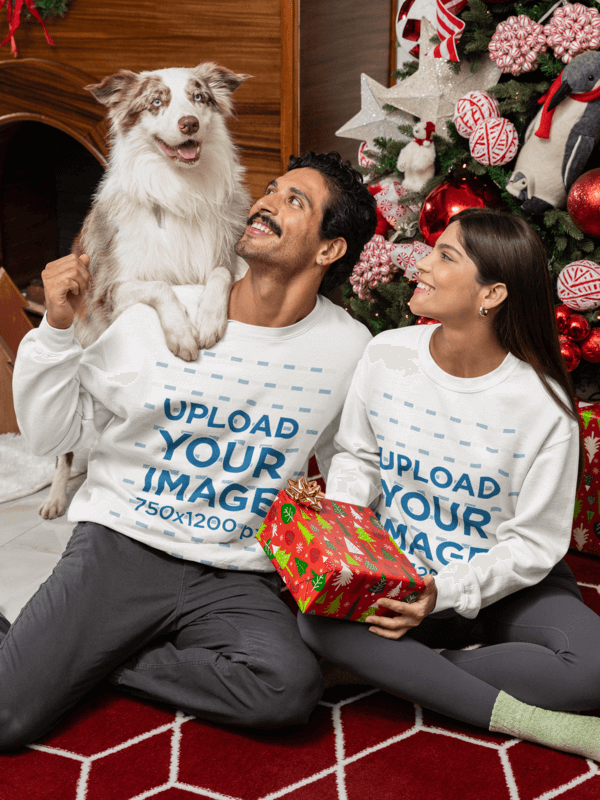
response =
{"points": [[542, 647], [218, 644]]}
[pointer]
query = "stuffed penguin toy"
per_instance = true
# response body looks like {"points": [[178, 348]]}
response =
{"points": [[417, 158], [559, 141]]}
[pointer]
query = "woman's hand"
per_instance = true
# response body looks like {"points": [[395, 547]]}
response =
{"points": [[409, 615]]}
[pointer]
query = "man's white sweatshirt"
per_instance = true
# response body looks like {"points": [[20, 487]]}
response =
{"points": [[188, 457], [475, 478]]}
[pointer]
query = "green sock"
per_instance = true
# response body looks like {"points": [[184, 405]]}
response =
{"points": [[569, 732]]}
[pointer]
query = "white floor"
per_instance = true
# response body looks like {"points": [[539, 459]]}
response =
{"points": [[29, 547]]}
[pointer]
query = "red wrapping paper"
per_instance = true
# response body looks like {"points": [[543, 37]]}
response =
{"points": [[585, 535], [336, 561]]}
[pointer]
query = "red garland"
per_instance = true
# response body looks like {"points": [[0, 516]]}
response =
{"points": [[14, 20]]}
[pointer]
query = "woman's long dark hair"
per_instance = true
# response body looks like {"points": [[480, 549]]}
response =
{"points": [[506, 249]]}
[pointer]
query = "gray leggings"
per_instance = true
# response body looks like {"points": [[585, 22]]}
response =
{"points": [[542, 647]]}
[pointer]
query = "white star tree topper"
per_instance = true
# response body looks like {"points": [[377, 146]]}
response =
{"points": [[432, 92], [372, 121]]}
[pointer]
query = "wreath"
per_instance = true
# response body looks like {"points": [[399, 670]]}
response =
{"points": [[36, 9]]}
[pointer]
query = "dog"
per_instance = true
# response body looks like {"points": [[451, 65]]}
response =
{"points": [[169, 210]]}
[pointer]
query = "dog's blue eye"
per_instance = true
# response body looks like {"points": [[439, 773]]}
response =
{"points": [[197, 97], [157, 102]]}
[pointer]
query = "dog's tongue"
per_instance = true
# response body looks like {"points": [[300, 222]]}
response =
{"points": [[188, 150]]}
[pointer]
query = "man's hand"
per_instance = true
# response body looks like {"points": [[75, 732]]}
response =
{"points": [[409, 614], [65, 281]]}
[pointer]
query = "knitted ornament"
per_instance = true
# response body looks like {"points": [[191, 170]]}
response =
{"points": [[472, 109], [573, 29], [494, 141], [578, 285], [379, 262], [516, 44]]}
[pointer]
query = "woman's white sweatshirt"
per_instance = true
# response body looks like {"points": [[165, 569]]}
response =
{"points": [[475, 478]]}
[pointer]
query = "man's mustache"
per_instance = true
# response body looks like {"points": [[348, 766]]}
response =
{"points": [[270, 223]]}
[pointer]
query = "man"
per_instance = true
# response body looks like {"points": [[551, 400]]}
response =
{"points": [[163, 585]]}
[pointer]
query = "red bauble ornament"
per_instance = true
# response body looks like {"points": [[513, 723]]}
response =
{"points": [[570, 351], [583, 202], [426, 321], [590, 348], [562, 314], [577, 328], [450, 198]]}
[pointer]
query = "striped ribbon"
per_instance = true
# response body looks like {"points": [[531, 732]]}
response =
{"points": [[449, 28]]}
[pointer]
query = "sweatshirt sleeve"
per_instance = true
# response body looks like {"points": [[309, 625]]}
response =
{"points": [[54, 411], [354, 475], [529, 545]]}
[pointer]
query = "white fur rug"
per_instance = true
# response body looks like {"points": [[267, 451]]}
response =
{"points": [[22, 473]]}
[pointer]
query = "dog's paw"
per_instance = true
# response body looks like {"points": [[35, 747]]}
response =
{"points": [[53, 506], [182, 342], [209, 329]]}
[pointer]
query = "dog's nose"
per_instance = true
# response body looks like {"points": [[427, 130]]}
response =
{"points": [[188, 125]]}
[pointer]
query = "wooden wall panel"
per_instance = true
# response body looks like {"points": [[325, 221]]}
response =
{"points": [[338, 41], [99, 38]]}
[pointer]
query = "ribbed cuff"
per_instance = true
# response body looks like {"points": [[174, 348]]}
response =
{"points": [[56, 340]]}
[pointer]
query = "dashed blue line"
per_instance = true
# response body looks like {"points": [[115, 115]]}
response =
{"points": [[190, 370], [270, 385], [217, 377], [509, 430], [409, 405], [171, 388], [126, 480], [139, 444], [481, 425], [241, 380], [114, 513], [304, 410], [297, 389], [393, 421], [289, 366], [447, 458], [225, 399], [501, 472], [424, 452], [454, 419], [168, 533], [373, 413], [235, 358], [324, 391], [428, 411], [316, 369], [161, 364], [276, 405], [518, 455], [251, 402], [465, 444], [379, 436], [197, 394], [439, 435], [141, 525], [150, 406], [388, 396], [212, 355], [263, 363], [414, 428], [312, 433]]}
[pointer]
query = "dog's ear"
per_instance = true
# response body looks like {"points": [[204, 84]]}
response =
{"points": [[222, 82], [110, 90]]}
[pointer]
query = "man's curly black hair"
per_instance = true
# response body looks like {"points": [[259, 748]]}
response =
{"points": [[349, 214]]}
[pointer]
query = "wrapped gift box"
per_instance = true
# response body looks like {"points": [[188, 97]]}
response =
{"points": [[585, 536], [336, 560]]}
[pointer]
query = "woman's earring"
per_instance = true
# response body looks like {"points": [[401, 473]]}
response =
{"points": [[483, 312], [321, 262]]}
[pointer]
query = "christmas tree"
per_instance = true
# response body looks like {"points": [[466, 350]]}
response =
{"points": [[469, 100]]}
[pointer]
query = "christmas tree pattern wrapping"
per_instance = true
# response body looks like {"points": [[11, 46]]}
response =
{"points": [[585, 536], [336, 561]]}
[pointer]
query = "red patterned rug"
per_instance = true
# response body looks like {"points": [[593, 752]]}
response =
{"points": [[360, 744]]}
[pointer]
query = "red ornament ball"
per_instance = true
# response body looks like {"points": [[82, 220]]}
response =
{"points": [[426, 321], [562, 314], [590, 348], [570, 351], [577, 328], [450, 198], [583, 202]]}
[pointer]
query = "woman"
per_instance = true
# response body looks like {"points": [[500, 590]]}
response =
{"points": [[465, 438]]}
